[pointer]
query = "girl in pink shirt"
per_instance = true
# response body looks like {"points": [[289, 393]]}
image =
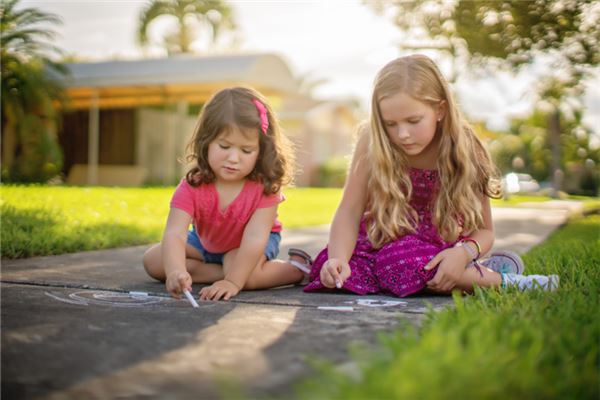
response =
{"points": [[230, 196]]}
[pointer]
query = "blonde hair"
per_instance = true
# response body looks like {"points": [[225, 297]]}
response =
{"points": [[234, 107], [465, 169]]}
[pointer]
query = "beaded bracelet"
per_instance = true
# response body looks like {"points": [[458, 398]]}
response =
{"points": [[471, 252], [468, 249], [475, 242]]}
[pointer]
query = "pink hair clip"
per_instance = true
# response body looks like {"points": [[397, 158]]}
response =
{"points": [[262, 112]]}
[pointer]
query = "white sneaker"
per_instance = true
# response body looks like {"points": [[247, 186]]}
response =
{"points": [[528, 282]]}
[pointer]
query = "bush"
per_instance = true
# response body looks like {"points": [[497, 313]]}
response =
{"points": [[332, 173]]}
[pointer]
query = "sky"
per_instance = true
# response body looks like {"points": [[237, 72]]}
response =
{"points": [[342, 42]]}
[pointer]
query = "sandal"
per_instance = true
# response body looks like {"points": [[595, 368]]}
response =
{"points": [[305, 268]]}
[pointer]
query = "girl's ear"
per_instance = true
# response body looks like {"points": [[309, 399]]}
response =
{"points": [[442, 110]]}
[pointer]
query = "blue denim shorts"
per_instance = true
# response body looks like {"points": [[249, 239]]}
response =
{"points": [[271, 250]]}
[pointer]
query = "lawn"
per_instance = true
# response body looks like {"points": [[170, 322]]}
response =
{"points": [[44, 220], [493, 345], [589, 203]]}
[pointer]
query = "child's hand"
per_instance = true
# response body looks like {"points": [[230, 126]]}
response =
{"points": [[223, 288], [334, 273], [177, 282], [451, 265]]}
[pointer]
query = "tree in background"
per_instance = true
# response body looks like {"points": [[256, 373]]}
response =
{"points": [[524, 149], [509, 34], [192, 17], [30, 150]]}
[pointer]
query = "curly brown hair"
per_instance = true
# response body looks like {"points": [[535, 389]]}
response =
{"points": [[234, 107]]}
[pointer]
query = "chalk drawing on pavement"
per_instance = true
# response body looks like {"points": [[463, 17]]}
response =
{"points": [[377, 303], [107, 298]]}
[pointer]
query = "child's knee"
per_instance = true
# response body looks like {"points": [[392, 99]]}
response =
{"points": [[153, 264], [155, 272]]}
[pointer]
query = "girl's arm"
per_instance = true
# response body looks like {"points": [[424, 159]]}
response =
{"points": [[452, 261], [254, 241], [173, 252], [345, 225], [485, 235]]}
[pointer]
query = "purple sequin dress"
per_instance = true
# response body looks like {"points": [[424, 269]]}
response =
{"points": [[396, 267]]}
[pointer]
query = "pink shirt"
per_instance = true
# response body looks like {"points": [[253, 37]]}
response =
{"points": [[221, 231]]}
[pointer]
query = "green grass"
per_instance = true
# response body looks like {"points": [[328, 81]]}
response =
{"points": [[309, 206], [494, 345], [44, 220], [589, 203]]}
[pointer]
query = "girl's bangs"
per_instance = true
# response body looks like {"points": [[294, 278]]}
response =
{"points": [[249, 132]]}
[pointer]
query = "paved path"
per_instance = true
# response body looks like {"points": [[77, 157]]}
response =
{"points": [[93, 325]]}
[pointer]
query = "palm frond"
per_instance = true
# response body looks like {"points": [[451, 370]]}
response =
{"points": [[26, 35], [180, 9], [153, 10], [26, 31], [28, 92], [31, 16]]}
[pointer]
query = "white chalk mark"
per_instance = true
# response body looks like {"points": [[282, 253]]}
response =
{"points": [[78, 302], [377, 303], [336, 308], [106, 298]]}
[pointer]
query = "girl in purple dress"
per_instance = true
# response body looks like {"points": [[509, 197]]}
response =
{"points": [[415, 213]]}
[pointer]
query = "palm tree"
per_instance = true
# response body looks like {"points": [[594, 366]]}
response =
{"points": [[30, 151], [212, 15]]}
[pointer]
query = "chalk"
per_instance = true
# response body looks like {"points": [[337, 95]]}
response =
{"points": [[379, 303], [341, 308], [139, 294], [191, 299]]}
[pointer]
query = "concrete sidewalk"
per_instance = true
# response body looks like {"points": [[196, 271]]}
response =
{"points": [[93, 325]]}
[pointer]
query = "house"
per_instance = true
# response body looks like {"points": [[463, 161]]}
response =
{"points": [[321, 130], [127, 122]]}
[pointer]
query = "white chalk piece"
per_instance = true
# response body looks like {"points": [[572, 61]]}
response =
{"points": [[191, 299], [139, 294], [340, 308]]}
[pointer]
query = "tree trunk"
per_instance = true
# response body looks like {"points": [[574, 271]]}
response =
{"points": [[184, 37], [557, 174], [9, 139]]}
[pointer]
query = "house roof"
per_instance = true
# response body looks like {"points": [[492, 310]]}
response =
{"points": [[167, 80]]}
